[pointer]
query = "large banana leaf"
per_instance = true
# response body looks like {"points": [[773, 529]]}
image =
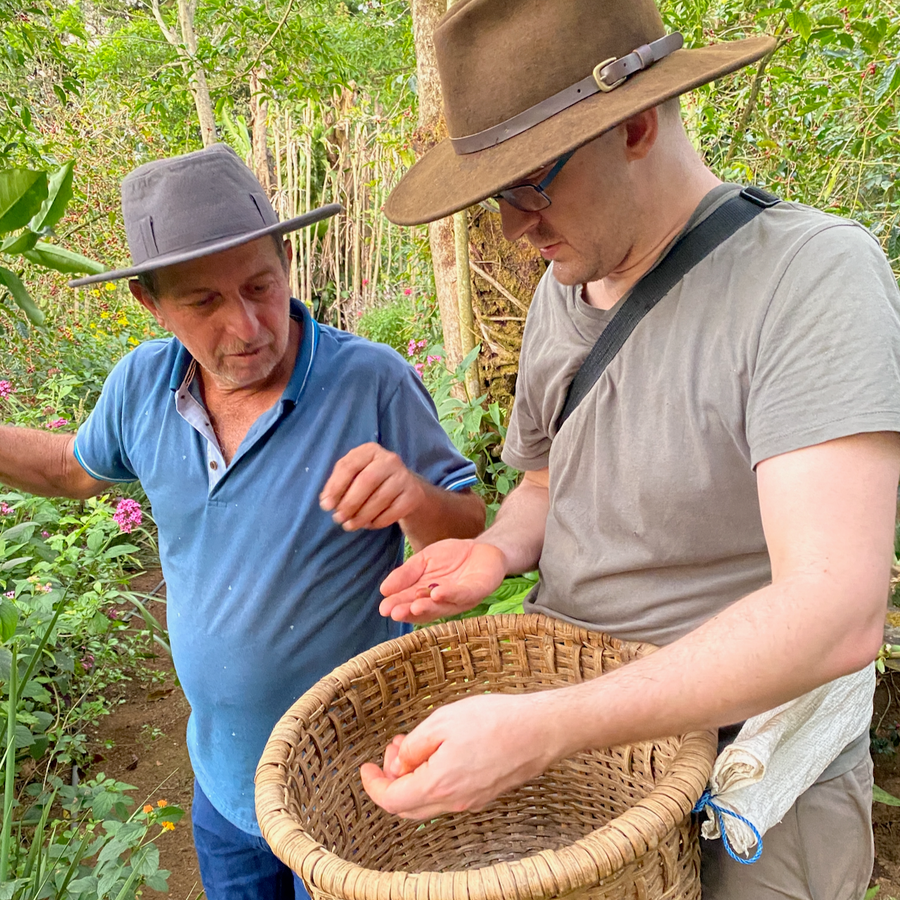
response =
{"points": [[22, 193], [62, 260], [58, 196]]}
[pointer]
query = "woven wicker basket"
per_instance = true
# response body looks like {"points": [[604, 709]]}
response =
{"points": [[600, 825]]}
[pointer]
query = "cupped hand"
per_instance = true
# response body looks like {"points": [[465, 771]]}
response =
{"points": [[461, 757], [446, 578], [370, 487]]}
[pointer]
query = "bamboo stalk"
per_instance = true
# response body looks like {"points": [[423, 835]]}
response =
{"points": [[464, 297]]}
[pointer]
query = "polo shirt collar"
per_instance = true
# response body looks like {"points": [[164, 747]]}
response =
{"points": [[309, 341]]}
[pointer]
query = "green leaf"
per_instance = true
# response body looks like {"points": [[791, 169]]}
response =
{"points": [[5, 664], [19, 243], [9, 616], [58, 197], [879, 795], [95, 540], [800, 22], [120, 550], [61, 260], [22, 191], [18, 292], [147, 862], [21, 532]]}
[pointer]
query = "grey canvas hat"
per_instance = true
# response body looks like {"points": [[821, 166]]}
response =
{"points": [[193, 205]]}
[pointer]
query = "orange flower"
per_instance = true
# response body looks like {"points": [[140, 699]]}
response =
{"points": [[168, 826], [148, 808], [162, 803]]}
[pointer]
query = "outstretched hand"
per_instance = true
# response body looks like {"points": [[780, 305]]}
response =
{"points": [[462, 757], [444, 579]]}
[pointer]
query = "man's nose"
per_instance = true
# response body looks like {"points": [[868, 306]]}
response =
{"points": [[243, 320], [516, 222]]}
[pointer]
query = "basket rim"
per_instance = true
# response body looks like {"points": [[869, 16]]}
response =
{"points": [[595, 856]]}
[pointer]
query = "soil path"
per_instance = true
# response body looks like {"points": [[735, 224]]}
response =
{"points": [[142, 743]]}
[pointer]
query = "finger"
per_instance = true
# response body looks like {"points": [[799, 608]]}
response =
{"points": [[365, 484], [404, 576], [345, 471], [406, 797], [388, 502]]}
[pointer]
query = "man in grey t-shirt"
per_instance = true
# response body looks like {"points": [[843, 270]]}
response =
{"points": [[727, 488]]}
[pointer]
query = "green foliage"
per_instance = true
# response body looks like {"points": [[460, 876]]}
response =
{"points": [[818, 121], [31, 203], [392, 324]]}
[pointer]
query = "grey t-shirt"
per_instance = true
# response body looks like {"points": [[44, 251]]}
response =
{"points": [[786, 336]]}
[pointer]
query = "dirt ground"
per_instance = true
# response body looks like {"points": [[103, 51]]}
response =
{"points": [[143, 744]]}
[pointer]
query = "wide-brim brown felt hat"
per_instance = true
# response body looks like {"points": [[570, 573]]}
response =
{"points": [[525, 81], [189, 206]]}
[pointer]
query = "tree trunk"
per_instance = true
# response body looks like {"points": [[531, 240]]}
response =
{"points": [[186, 49], [431, 129], [505, 277], [263, 164]]}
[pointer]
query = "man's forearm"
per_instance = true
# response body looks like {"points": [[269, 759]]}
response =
{"points": [[518, 530], [42, 463], [444, 514], [764, 650]]}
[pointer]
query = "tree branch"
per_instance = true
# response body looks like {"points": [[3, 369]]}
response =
{"points": [[169, 35]]}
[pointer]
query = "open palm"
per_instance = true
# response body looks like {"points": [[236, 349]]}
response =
{"points": [[446, 578]]}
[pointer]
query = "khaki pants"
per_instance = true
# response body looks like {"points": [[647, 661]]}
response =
{"points": [[822, 850]]}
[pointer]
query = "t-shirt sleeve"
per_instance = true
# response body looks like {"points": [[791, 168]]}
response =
{"points": [[410, 428], [99, 443], [827, 363], [528, 436]]}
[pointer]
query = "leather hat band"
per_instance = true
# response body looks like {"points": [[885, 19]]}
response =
{"points": [[607, 76]]}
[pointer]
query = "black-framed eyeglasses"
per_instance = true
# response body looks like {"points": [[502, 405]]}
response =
{"points": [[527, 196]]}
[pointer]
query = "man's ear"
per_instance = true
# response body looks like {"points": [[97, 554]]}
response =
{"points": [[641, 132], [145, 298], [289, 251]]}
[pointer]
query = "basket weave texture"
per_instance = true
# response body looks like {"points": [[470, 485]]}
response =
{"points": [[601, 825]]}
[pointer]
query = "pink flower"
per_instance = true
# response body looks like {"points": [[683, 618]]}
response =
{"points": [[411, 349], [420, 368], [112, 614], [56, 423], [407, 291], [10, 594], [5, 390], [45, 534], [87, 661], [433, 359], [5, 508], [128, 515], [365, 281]]}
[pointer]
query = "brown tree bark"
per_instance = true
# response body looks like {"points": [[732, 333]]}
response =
{"points": [[186, 48], [505, 276], [263, 163], [431, 129]]}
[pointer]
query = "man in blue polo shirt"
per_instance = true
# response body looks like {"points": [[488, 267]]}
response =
{"points": [[284, 462]]}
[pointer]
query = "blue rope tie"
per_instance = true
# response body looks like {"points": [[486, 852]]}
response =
{"points": [[706, 800]]}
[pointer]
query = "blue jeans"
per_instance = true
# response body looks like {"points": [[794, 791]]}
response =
{"points": [[235, 865]]}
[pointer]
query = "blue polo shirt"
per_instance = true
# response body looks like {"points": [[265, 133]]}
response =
{"points": [[266, 594]]}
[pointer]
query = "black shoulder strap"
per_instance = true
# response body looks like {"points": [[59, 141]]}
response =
{"points": [[690, 249]]}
